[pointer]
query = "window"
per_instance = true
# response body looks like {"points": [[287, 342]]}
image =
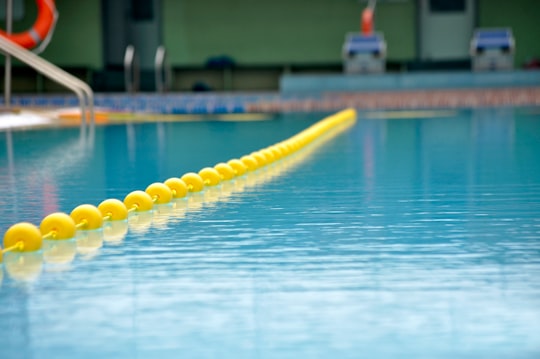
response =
{"points": [[447, 5]]}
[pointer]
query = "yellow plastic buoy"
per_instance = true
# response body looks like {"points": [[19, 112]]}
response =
{"points": [[22, 241], [294, 145], [113, 210], [284, 149], [23, 237], [275, 151], [250, 162], [138, 201], [225, 171], [159, 192], [178, 187], [210, 176], [260, 158], [194, 182], [87, 217], [269, 155], [238, 166], [57, 226]]}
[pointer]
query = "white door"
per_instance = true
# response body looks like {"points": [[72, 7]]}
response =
{"points": [[446, 28]]}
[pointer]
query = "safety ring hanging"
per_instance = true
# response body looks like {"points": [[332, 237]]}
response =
{"points": [[41, 32]]}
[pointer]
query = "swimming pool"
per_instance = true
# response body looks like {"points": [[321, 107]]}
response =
{"points": [[412, 234]]}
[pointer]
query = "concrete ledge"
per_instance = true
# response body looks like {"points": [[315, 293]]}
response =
{"points": [[407, 81]]}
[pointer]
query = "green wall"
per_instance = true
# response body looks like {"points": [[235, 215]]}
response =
{"points": [[277, 32], [261, 32], [523, 16], [397, 20], [77, 37]]}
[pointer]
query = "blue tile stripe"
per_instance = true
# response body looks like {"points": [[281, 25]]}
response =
{"points": [[326, 93]]}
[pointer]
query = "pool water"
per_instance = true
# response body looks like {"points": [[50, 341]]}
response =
{"points": [[403, 237]]}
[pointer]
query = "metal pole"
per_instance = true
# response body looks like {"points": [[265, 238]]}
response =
{"points": [[7, 79], [130, 69]]}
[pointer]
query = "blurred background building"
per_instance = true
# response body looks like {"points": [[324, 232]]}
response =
{"points": [[247, 45]]}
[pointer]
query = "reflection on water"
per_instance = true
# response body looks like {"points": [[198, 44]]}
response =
{"points": [[399, 238]]}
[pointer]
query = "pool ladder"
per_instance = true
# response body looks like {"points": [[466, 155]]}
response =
{"points": [[82, 90], [132, 70], [163, 71]]}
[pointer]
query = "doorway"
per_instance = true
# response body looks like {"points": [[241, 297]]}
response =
{"points": [[130, 22], [445, 29]]}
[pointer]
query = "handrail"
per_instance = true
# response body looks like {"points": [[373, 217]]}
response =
{"points": [[163, 73], [7, 64], [82, 90], [131, 69]]}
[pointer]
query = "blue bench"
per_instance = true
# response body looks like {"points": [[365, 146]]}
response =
{"points": [[359, 43], [364, 53], [493, 39], [492, 49]]}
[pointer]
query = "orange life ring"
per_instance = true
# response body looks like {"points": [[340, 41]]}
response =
{"points": [[367, 21], [38, 32]]}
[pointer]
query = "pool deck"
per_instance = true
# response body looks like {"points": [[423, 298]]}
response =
{"points": [[408, 81], [298, 93]]}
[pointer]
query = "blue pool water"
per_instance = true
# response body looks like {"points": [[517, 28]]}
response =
{"points": [[415, 237]]}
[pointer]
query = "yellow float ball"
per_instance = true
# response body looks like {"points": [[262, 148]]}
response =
{"points": [[225, 171], [113, 209], [159, 192], [178, 187], [238, 166], [88, 216], [284, 149], [25, 233], [194, 182], [268, 155], [276, 152], [139, 201], [250, 162], [260, 158], [210, 176], [58, 226], [290, 146]]}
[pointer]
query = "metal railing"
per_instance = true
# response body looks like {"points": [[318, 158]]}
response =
{"points": [[82, 90], [7, 66], [163, 72], [131, 69]]}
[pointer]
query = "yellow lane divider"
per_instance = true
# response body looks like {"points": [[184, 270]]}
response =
{"points": [[26, 237]]}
